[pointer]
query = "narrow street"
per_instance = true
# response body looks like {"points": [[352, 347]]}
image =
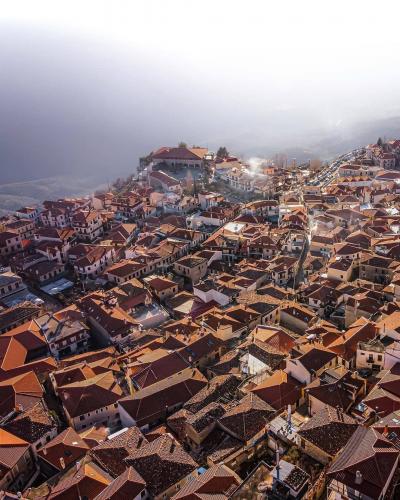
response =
{"points": [[299, 278]]}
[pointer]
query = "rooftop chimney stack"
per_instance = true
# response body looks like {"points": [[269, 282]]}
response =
{"points": [[359, 478]]}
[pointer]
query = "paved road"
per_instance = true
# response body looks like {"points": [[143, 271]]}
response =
{"points": [[324, 178], [299, 278]]}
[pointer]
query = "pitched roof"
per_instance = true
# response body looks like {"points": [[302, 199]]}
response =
{"points": [[110, 454], [64, 449], [149, 404], [179, 153], [316, 358], [345, 345], [146, 374], [247, 418], [17, 344], [89, 395], [164, 178], [372, 455], [216, 483], [217, 388], [22, 391], [205, 417], [329, 429], [274, 337], [336, 387], [127, 486], [87, 481], [32, 424], [162, 463], [279, 390], [12, 448]]}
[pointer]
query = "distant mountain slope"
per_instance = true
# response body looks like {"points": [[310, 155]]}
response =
{"points": [[357, 135], [324, 144], [17, 194]]}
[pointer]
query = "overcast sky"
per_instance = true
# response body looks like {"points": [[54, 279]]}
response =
{"points": [[88, 86]]}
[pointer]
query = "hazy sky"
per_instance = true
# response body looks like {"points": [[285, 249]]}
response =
{"points": [[88, 86]]}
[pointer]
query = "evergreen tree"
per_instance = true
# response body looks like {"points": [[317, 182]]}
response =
{"points": [[222, 152]]}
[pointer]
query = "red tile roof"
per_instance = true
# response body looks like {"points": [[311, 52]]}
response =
{"points": [[162, 463], [372, 455]]}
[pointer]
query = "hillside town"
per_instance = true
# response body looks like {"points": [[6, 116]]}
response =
{"points": [[208, 328]]}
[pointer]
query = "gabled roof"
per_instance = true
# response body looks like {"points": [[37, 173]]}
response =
{"points": [[91, 394], [265, 354], [127, 486], [87, 481], [20, 342], [22, 391], [94, 435]]}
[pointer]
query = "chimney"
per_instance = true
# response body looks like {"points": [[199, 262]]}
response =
{"points": [[359, 478]]}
